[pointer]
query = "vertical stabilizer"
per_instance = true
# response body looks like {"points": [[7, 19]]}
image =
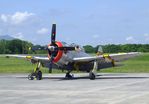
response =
{"points": [[99, 51]]}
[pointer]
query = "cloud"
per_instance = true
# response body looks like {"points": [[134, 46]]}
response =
{"points": [[18, 35], [4, 18], [16, 18], [130, 38], [146, 36], [43, 31], [95, 36], [19, 17]]}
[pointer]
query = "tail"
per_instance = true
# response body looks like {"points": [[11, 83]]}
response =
{"points": [[99, 50]]}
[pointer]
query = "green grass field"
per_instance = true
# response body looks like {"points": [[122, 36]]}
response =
{"points": [[138, 64], [14, 65], [18, 65]]}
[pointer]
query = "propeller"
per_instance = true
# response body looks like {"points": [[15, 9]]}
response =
{"points": [[53, 34], [51, 64], [53, 48]]}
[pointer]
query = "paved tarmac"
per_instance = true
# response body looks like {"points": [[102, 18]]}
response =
{"points": [[54, 89]]}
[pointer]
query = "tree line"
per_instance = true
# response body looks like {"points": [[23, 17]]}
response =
{"points": [[17, 46], [112, 48]]}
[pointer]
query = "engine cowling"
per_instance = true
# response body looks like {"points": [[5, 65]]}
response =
{"points": [[58, 53]]}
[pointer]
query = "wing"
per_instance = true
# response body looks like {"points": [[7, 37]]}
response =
{"points": [[35, 58], [116, 57]]}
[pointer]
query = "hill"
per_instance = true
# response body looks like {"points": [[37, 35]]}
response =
{"points": [[6, 37]]}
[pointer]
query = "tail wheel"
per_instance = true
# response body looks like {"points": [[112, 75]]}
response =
{"points": [[69, 76]]}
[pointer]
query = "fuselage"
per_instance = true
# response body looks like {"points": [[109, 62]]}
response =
{"points": [[66, 61]]}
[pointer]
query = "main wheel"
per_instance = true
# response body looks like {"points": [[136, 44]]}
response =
{"points": [[68, 75], [92, 76], [39, 75], [30, 77]]}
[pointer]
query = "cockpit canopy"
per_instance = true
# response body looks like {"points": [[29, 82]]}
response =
{"points": [[74, 45]]}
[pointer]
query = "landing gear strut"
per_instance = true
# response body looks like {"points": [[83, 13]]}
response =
{"points": [[36, 74], [92, 74]]}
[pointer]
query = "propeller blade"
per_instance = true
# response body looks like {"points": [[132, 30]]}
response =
{"points": [[66, 48], [51, 63], [53, 34]]}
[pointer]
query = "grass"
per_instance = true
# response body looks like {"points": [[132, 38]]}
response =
{"points": [[14, 65], [18, 65], [138, 64]]}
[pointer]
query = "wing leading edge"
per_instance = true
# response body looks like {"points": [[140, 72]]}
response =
{"points": [[36, 58], [116, 57]]}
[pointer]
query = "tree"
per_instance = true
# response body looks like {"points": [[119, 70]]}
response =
{"points": [[17, 46], [89, 49], [2, 46], [111, 48]]}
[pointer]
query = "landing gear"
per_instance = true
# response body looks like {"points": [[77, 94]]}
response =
{"points": [[36, 74], [92, 74], [31, 76], [68, 75], [39, 75], [113, 62], [69, 68]]}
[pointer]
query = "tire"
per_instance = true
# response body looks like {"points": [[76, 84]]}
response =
{"points": [[68, 76], [30, 77], [92, 76], [39, 75]]}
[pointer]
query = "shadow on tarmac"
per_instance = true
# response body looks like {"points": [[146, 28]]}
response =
{"points": [[100, 77]]}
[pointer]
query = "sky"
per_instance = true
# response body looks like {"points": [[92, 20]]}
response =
{"points": [[82, 22]]}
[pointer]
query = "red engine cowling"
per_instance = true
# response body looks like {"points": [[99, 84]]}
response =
{"points": [[58, 54]]}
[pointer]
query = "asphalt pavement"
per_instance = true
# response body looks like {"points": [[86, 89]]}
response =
{"points": [[107, 88]]}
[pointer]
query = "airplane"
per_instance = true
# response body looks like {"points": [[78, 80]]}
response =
{"points": [[71, 57]]}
